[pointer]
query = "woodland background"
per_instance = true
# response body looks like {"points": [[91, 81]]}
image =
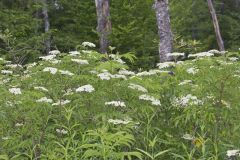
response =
{"points": [[134, 27]]}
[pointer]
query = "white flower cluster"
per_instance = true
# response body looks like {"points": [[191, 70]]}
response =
{"points": [[185, 82], [61, 102], [153, 100], [18, 124], [188, 137], [54, 52], [86, 88], [48, 57], [80, 61], [126, 72], [201, 54], [214, 51], [107, 76], [15, 91], [6, 72], [137, 87], [14, 66], [88, 44], [166, 65], [51, 70], [116, 58], [74, 53], [192, 70], [145, 73], [68, 73], [31, 65], [104, 76], [233, 153], [45, 100], [118, 121], [86, 51], [115, 104], [61, 131], [233, 59], [175, 54], [55, 61], [186, 100], [41, 88]]}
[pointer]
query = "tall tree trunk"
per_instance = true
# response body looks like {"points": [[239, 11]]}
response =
{"points": [[216, 26], [164, 29], [46, 26], [104, 23]]}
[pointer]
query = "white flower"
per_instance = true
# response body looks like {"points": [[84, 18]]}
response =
{"points": [[165, 65], [86, 52], [104, 76], [192, 70], [14, 65], [88, 44], [68, 73], [61, 131], [6, 72], [5, 138], [18, 124], [118, 121], [233, 59], [31, 65], [51, 70], [48, 57], [45, 99], [186, 100], [145, 73], [86, 88], [54, 52], [80, 61], [55, 61], [185, 82], [137, 87], [233, 153], [153, 100], [126, 72], [118, 76], [41, 88], [188, 137], [61, 102], [202, 54], [74, 53], [116, 103], [175, 54], [119, 60], [15, 91]]}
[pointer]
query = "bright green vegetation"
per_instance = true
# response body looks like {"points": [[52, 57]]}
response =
{"points": [[197, 119]]}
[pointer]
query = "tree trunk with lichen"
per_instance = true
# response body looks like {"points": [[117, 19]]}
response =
{"points": [[216, 26], [104, 23], [164, 29], [47, 41]]}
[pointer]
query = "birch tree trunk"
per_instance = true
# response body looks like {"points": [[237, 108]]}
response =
{"points": [[216, 26], [104, 23], [46, 26], [164, 29]]}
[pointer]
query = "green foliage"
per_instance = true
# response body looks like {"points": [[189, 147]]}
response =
{"points": [[85, 127]]}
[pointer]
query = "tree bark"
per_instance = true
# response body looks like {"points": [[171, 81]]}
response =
{"points": [[216, 26], [164, 29], [46, 26], [104, 23]]}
